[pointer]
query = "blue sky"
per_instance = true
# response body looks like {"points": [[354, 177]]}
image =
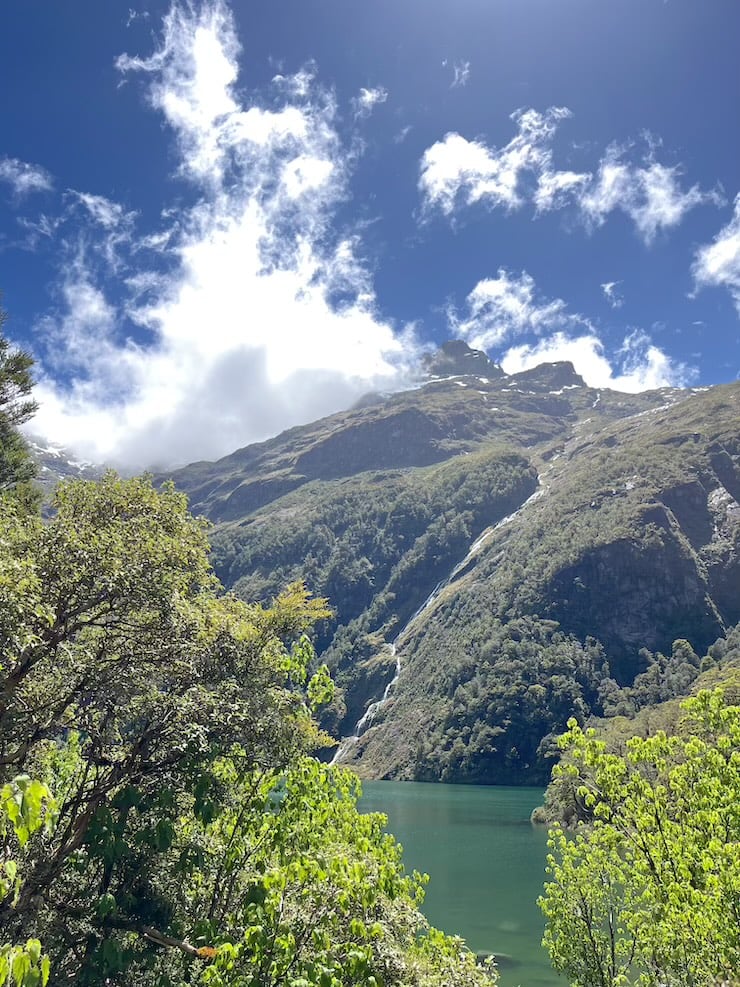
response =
{"points": [[219, 220]]}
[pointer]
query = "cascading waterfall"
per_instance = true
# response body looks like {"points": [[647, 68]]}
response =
{"points": [[366, 720]]}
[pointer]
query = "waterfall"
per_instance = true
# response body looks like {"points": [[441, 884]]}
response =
{"points": [[366, 720], [368, 716]]}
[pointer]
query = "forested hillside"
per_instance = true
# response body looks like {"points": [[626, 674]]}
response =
{"points": [[520, 548], [163, 820]]}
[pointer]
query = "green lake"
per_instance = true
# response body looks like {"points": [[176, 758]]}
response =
{"points": [[486, 866]]}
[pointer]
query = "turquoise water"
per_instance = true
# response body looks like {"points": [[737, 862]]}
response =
{"points": [[486, 866]]}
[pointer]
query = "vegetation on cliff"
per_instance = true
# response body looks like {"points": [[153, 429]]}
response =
{"points": [[398, 511]]}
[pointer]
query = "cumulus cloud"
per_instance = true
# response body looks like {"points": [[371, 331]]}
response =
{"points": [[457, 172], [612, 293], [24, 178], [367, 100], [718, 263], [508, 306], [244, 312], [637, 365]]}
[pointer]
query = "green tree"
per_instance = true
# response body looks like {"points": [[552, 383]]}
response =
{"points": [[649, 893], [16, 407], [196, 840], [26, 805]]}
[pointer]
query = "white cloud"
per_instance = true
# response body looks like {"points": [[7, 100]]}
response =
{"points": [[462, 74], [507, 306], [24, 178], [638, 365], [718, 263], [556, 189], [114, 221], [135, 15], [612, 294], [456, 172], [367, 100], [105, 212], [251, 314], [651, 194]]}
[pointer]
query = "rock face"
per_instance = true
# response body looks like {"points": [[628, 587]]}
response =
{"points": [[550, 376], [639, 593], [516, 542], [455, 358], [406, 438]]}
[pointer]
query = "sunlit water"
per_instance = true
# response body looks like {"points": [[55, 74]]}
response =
{"points": [[486, 863]]}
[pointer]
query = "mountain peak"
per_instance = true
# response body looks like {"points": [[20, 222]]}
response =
{"points": [[549, 376], [455, 358]]}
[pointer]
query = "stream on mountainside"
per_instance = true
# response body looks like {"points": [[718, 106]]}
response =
{"points": [[486, 863], [366, 720]]}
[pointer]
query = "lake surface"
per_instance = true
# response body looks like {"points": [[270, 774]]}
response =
{"points": [[486, 864]]}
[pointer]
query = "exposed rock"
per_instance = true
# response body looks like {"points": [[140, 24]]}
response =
{"points": [[405, 438], [549, 377], [456, 358]]}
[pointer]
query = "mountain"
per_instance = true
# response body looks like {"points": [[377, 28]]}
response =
{"points": [[55, 463], [501, 551]]}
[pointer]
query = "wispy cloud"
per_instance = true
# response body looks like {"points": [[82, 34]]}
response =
{"points": [[135, 15], [462, 74], [366, 101], [500, 308], [240, 315], [718, 263], [650, 194], [24, 178], [107, 213], [457, 172], [612, 294]]}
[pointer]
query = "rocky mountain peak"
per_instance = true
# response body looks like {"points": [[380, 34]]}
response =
{"points": [[551, 376], [455, 358]]}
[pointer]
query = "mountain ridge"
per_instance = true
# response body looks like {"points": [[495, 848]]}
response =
{"points": [[501, 552]]}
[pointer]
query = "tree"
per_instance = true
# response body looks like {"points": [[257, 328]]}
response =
{"points": [[25, 806], [16, 407], [196, 839], [649, 893]]}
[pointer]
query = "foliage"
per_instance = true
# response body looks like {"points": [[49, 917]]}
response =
{"points": [[16, 407], [650, 892], [314, 893], [376, 545], [527, 680], [720, 668], [26, 805], [194, 837]]}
